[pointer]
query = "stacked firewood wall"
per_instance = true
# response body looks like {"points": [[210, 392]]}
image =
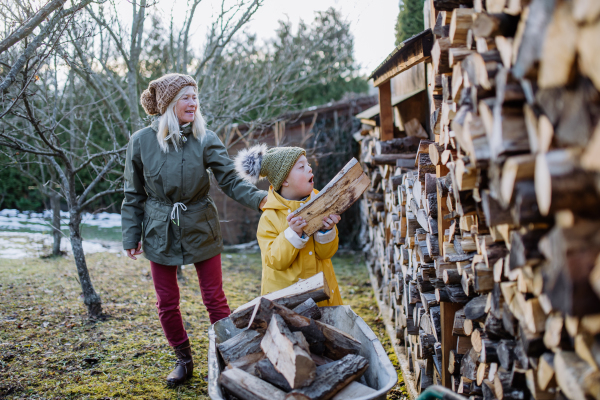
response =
{"points": [[500, 213]]}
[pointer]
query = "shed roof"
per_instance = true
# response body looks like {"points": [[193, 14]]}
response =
{"points": [[412, 51]]}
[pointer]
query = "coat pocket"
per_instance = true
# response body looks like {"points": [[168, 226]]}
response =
{"points": [[155, 226], [203, 228], [154, 233]]}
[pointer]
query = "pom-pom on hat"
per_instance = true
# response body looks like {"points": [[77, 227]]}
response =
{"points": [[162, 91], [259, 162]]}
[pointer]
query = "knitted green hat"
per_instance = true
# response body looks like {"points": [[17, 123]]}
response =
{"points": [[275, 163]]}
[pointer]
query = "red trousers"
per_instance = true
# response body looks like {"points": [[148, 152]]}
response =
{"points": [[167, 296]]}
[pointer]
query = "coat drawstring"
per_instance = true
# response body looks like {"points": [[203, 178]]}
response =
{"points": [[175, 211]]}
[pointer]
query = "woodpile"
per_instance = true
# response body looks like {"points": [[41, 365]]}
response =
{"points": [[285, 352], [484, 242]]}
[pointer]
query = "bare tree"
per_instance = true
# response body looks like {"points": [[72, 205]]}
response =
{"points": [[37, 119], [37, 133]]}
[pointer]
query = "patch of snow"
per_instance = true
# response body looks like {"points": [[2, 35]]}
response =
{"points": [[17, 245], [15, 220]]}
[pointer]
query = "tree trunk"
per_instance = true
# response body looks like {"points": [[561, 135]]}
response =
{"points": [[56, 232], [90, 298]]}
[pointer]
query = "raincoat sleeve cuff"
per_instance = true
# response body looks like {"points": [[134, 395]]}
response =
{"points": [[296, 241], [325, 237], [130, 245], [262, 195]]}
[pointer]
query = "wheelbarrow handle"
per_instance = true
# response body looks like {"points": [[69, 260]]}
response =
{"points": [[440, 393]]}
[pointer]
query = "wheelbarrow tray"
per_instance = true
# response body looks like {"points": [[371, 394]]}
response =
{"points": [[380, 375]]}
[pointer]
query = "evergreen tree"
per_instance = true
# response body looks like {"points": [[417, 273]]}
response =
{"points": [[410, 20]]}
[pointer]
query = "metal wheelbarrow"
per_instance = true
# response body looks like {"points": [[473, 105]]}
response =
{"points": [[380, 375]]}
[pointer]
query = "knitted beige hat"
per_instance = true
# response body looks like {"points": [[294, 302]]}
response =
{"points": [[275, 163], [161, 92]]}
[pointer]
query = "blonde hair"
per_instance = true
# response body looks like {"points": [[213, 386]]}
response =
{"points": [[168, 123]]}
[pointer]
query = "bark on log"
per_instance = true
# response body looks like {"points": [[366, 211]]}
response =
{"points": [[244, 343], [475, 309], [538, 18], [408, 144], [392, 159], [331, 378], [267, 372], [469, 364], [308, 309]]}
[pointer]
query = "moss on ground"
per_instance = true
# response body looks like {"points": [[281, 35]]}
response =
{"points": [[49, 349]]}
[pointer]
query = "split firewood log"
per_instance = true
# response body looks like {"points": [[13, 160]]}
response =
{"points": [[335, 198], [315, 288], [308, 309], [287, 354], [243, 344], [322, 338], [331, 378], [246, 386]]}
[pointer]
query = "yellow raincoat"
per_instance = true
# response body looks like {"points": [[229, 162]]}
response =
{"points": [[286, 257]]}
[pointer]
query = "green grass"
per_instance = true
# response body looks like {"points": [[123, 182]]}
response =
{"points": [[49, 349]]}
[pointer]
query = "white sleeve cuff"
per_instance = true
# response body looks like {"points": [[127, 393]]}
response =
{"points": [[294, 239], [324, 238]]}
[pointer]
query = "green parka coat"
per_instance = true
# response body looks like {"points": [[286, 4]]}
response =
{"points": [[157, 182]]}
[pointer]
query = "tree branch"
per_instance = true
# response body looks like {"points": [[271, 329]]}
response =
{"points": [[94, 156], [28, 27], [99, 195], [96, 180]]}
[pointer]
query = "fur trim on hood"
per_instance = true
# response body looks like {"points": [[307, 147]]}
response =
{"points": [[248, 163]]}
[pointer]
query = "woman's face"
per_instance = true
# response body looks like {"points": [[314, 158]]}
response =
{"points": [[185, 108]]}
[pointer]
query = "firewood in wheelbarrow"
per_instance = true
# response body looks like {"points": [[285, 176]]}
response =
{"points": [[287, 354], [248, 387], [243, 344], [267, 372], [335, 198], [315, 288], [331, 378], [323, 339], [308, 309]]}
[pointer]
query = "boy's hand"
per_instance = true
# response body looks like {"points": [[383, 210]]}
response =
{"points": [[296, 223], [331, 221]]}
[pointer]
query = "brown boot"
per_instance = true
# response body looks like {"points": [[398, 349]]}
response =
{"points": [[184, 366]]}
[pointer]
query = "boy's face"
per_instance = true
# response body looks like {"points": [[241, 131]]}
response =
{"points": [[299, 182]]}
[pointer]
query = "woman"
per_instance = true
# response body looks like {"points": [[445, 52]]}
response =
{"points": [[167, 210]]}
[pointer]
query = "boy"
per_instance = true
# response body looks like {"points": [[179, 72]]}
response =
{"points": [[287, 254]]}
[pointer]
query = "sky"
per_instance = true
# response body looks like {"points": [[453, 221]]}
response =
{"points": [[372, 22]]}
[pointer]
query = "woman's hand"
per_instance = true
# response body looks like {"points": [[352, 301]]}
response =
{"points": [[331, 221], [296, 223], [131, 253], [263, 202]]}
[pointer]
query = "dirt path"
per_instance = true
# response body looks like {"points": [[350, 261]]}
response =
{"points": [[48, 349]]}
